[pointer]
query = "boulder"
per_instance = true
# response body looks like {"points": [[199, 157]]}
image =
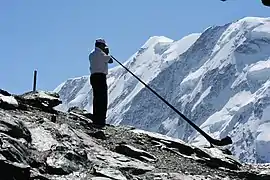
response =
{"points": [[109, 173], [80, 112], [7, 101], [13, 170], [133, 152], [43, 100], [5, 93]]}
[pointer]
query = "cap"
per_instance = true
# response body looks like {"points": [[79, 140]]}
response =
{"points": [[100, 40]]}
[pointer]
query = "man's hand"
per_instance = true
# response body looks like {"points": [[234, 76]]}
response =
{"points": [[110, 61], [106, 50]]}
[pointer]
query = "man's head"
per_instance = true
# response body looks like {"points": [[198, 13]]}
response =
{"points": [[101, 43]]}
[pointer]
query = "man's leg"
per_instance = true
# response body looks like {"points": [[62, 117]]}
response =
{"points": [[93, 81], [104, 99], [100, 100]]}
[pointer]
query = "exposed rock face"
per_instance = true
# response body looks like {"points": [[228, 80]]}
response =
{"points": [[33, 145]]}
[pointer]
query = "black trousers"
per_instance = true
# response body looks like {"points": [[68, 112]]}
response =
{"points": [[100, 97]]}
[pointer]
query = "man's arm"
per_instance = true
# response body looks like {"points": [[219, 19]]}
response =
{"points": [[107, 51], [103, 57]]}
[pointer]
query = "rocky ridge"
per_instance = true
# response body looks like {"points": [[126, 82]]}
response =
{"points": [[39, 142]]}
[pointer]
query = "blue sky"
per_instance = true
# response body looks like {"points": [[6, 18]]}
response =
{"points": [[56, 36]]}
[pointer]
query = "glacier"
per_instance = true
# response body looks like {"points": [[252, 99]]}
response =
{"points": [[220, 79]]}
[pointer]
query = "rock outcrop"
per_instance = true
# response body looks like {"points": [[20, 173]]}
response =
{"points": [[38, 142]]}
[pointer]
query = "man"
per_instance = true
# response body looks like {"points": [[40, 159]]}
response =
{"points": [[99, 59]]}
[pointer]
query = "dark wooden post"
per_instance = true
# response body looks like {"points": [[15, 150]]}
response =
{"points": [[35, 81]]}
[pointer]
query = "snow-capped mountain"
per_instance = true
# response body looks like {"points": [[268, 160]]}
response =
{"points": [[220, 79]]}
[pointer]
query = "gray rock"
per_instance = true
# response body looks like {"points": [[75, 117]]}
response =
{"points": [[43, 100], [14, 170], [14, 128], [98, 135], [8, 102], [100, 178], [109, 172], [180, 176], [213, 157], [4, 93], [34, 147], [81, 113], [58, 164], [134, 152]]}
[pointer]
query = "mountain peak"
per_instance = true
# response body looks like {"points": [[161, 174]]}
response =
{"points": [[156, 39], [251, 19]]}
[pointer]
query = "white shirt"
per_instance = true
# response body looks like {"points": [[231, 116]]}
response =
{"points": [[98, 61]]}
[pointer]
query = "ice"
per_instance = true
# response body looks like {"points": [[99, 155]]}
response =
{"points": [[219, 120], [259, 71], [82, 95], [262, 30], [204, 94], [179, 47], [169, 123], [59, 87], [263, 142], [192, 79], [155, 39], [263, 130]]}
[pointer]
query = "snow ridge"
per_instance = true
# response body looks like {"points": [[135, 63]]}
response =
{"points": [[219, 79]]}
